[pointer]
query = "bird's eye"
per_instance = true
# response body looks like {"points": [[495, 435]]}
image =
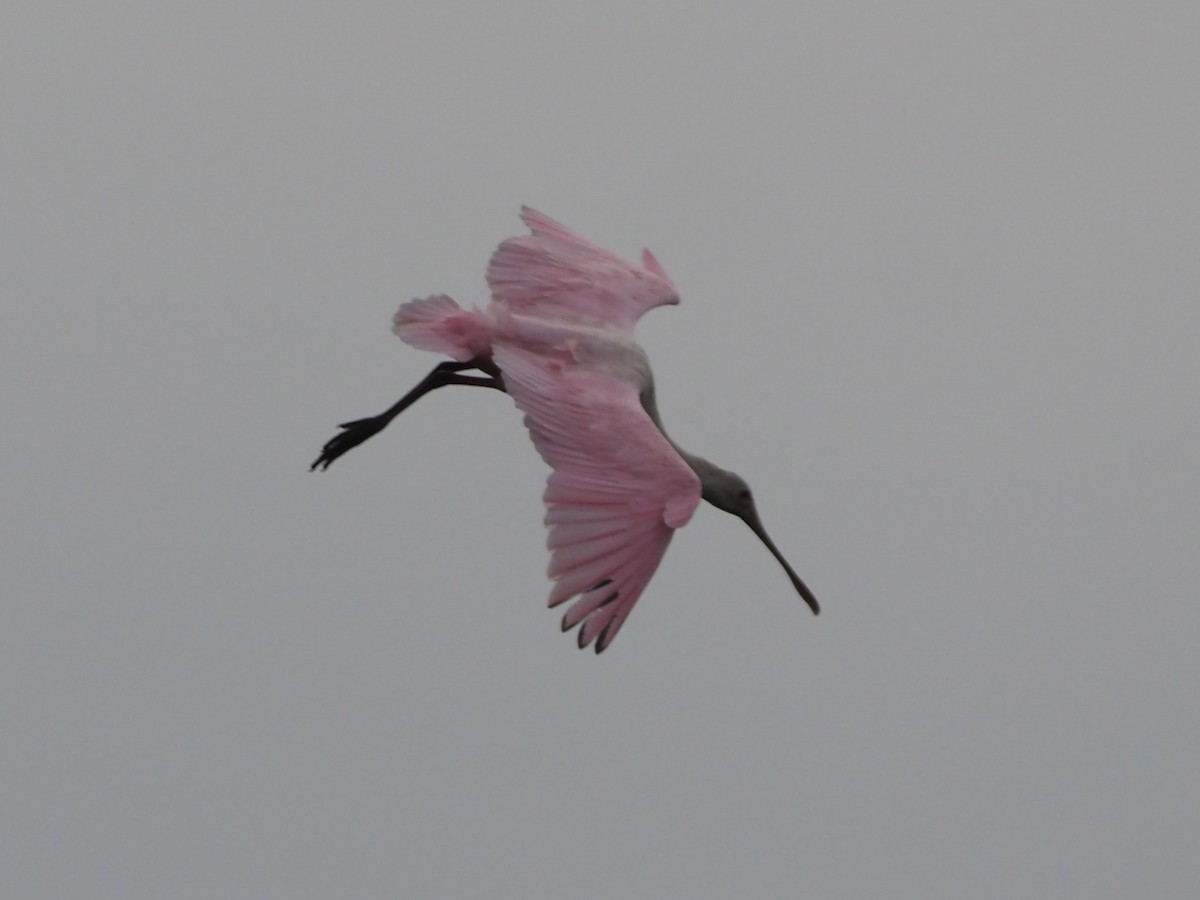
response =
{"points": [[744, 495]]}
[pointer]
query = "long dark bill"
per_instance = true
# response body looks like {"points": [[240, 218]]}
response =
{"points": [[800, 586]]}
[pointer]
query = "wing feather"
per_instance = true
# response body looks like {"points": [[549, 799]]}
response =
{"points": [[567, 536], [617, 492], [554, 273], [595, 549]]}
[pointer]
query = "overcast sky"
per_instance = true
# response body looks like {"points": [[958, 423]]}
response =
{"points": [[939, 267]]}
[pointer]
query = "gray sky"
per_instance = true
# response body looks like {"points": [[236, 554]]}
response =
{"points": [[939, 272]]}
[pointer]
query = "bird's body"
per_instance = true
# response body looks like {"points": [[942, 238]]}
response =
{"points": [[558, 337]]}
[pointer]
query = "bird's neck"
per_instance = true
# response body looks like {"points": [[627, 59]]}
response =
{"points": [[709, 473]]}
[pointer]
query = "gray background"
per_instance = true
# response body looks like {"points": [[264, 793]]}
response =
{"points": [[939, 268]]}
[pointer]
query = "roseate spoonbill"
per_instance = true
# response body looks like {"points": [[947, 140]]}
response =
{"points": [[558, 337]]}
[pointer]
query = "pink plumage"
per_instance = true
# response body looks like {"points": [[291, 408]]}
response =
{"points": [[440, 325], [558, 337], [617, 493], [556, 273]]}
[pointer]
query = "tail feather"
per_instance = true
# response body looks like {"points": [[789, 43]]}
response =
{"points": [[440, 325]]}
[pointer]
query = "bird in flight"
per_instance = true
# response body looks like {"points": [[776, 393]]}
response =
{"points": [[558, 338]]}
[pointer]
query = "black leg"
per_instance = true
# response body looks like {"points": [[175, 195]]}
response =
{"points": [[354, 433]]}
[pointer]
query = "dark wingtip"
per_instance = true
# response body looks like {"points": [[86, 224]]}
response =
{"points": [[602, 640]]}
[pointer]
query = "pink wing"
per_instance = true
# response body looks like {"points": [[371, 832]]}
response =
{"points": [[555, 273], [617, 493]]}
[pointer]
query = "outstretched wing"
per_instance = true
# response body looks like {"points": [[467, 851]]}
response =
{"points": [[617, 493], [555, 273]]}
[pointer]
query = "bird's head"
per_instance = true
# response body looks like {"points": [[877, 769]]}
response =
{"points": [[728, 491]]}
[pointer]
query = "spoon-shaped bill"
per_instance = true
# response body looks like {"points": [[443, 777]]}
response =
{"points": [[801, 588]]}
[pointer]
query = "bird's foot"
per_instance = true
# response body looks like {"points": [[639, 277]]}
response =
{"points": [[352, 434]]}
